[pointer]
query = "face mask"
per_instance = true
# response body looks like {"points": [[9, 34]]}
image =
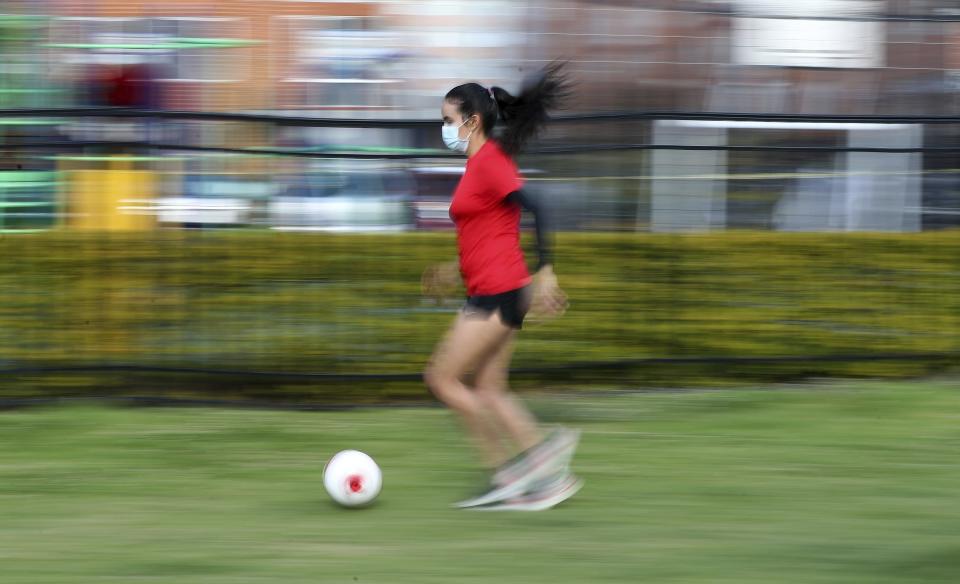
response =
{"points": [[451, 137]]}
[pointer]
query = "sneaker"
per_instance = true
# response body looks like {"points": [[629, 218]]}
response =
{"points": [[546, 483], [519, 475], [565, 457], [552, 492], [550, 455]]}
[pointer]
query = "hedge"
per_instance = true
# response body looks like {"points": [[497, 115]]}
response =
{"points": [[335, 303]]}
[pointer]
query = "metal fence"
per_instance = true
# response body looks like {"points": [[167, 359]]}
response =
{"points": [[646, 171]]}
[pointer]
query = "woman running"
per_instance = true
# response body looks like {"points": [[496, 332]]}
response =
{"points": [[486, 208]]}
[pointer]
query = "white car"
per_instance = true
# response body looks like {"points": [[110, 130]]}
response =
{"points": [[351, 201]]}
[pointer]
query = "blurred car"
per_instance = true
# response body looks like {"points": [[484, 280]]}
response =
{"points": [[348, 200], [213, 200]]}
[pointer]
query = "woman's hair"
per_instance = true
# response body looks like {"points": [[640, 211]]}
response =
{"points": [[523, 115]]}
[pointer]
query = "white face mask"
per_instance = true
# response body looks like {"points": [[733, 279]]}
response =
{"points": [[451, 137]]}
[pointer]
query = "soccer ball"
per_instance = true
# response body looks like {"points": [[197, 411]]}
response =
{"points": [[352, 478]]}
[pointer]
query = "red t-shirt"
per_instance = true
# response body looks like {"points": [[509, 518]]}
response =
{"points": [[488, 226]]}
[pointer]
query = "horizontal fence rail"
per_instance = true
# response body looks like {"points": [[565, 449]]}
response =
{"points": [[564, 149]]}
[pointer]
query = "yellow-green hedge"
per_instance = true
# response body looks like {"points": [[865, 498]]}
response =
{"points": [[351, 304]]}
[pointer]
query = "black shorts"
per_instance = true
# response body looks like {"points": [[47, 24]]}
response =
{"points": [[513, 306]]}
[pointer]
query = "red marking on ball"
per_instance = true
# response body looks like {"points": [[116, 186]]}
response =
{"points": [[355, 483]]}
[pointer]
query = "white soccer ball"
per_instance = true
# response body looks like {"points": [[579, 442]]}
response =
{"points": [[352, 478]]}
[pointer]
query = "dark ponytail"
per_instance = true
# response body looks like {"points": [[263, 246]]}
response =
{"points": [[523, 115]]}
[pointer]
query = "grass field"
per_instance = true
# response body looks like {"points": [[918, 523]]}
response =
{"points": [[853, 482]]}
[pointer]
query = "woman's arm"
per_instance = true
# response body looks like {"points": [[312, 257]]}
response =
{"points": [[549, 300], [532, 204]]}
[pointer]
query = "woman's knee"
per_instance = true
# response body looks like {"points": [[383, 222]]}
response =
{"points": [[441, 384], [431, 378]]}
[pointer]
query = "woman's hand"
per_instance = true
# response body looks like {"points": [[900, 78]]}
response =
{"points": [[549, 301], [441, 281]]}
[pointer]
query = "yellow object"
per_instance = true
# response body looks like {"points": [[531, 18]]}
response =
{"points": [[112, 199]]}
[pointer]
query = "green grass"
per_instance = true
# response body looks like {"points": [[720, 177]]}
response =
{"points": [[854, 482]]}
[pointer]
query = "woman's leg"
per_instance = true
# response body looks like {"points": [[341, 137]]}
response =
{"points": [[492, 390], [469, 342]]}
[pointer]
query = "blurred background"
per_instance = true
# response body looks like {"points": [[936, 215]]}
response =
{"points": [[393, 60], [155, 158]]}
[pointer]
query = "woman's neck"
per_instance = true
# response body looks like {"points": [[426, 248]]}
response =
{"points": [[475, 145]]}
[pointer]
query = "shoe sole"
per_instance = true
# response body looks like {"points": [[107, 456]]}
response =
{"points": [[506, 492], [537, 502]]}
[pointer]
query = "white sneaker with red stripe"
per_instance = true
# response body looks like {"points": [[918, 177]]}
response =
{"points": [[521, 475], [548, 494]]}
